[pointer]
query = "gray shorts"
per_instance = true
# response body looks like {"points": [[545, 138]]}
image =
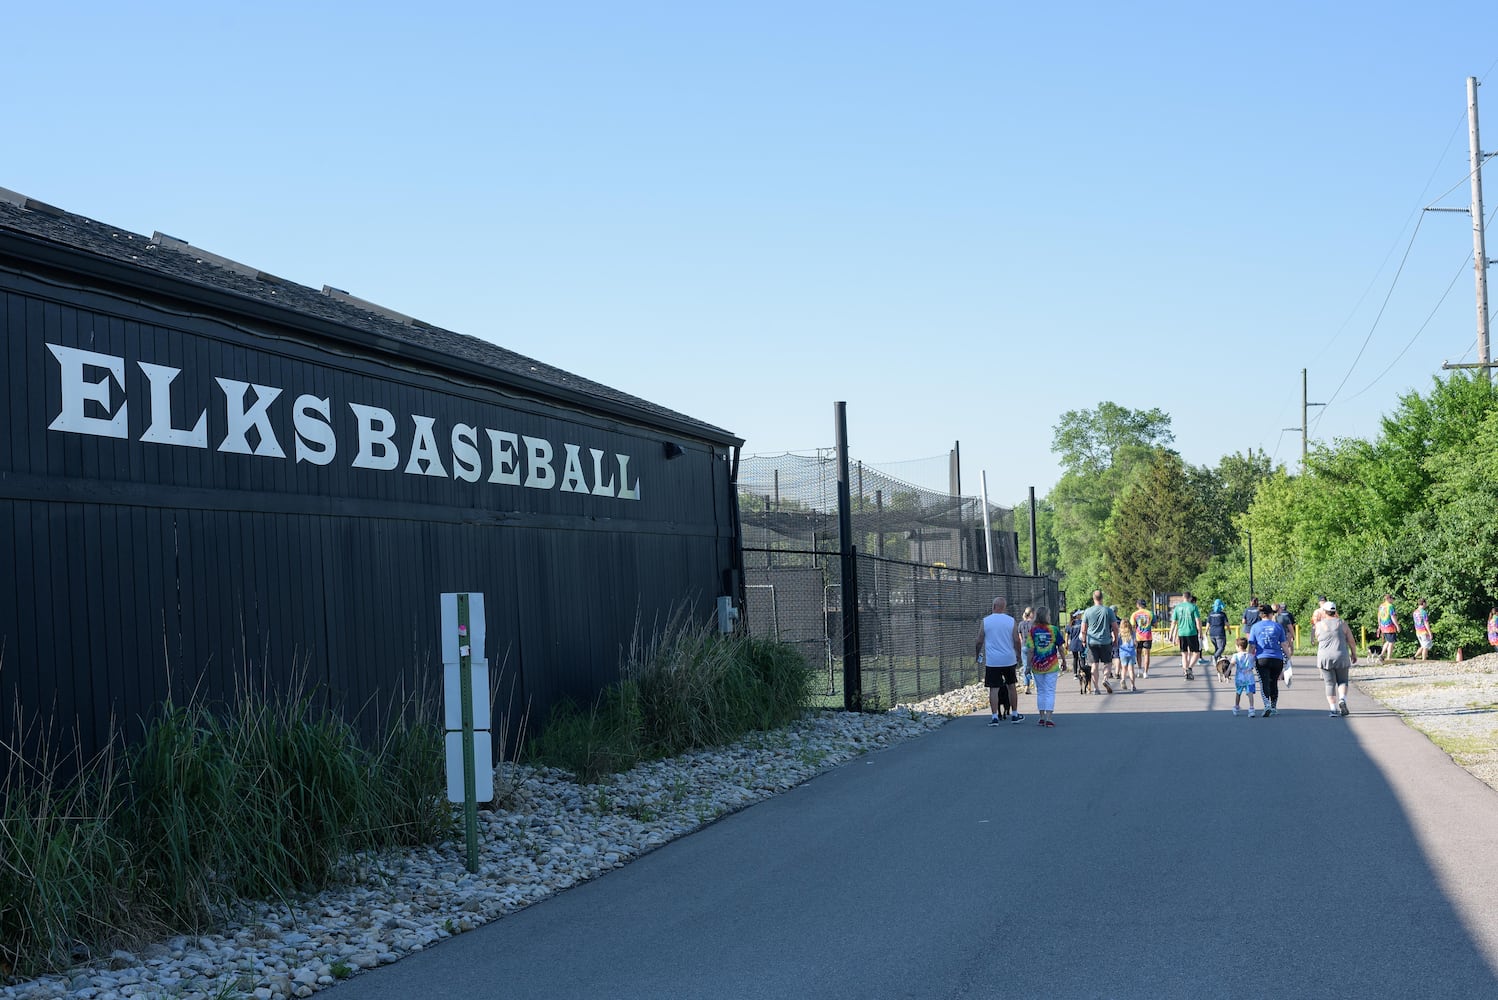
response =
{"points": [[1333, 673]]}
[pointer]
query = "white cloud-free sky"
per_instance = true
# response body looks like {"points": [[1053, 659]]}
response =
{"points": [[961, 218]]}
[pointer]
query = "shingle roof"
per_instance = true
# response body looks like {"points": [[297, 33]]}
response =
{"points": [[180, 262]]}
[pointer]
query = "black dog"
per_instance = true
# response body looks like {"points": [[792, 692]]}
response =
{"points": [[1084, 677]]}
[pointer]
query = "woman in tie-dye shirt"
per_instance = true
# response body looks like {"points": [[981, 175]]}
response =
{"points": [[1422, 630], [1046, 643]]}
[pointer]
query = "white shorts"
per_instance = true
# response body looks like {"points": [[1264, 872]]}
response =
{"points": [[1426, 639]]}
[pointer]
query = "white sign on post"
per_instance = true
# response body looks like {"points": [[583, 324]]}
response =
{"points": [[483, 751], [457, 643], [452, 696], [451, 647]]}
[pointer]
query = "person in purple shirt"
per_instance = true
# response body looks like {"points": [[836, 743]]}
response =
{"points": [[1267, 638]]}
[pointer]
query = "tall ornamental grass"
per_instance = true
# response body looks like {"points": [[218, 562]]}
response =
{"points": [[67, 876], [683, 688], [265, 799]]}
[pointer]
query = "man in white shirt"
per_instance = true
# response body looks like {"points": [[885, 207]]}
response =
{"points": [[998, 649]]}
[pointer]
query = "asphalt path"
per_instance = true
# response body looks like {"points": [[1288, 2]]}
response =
{"points": [[1151, 846]]}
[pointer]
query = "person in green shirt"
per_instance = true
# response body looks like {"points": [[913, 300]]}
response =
{"points": [[1186, 632]]}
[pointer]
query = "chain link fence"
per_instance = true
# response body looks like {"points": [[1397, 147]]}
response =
{"points": [[922, 574], [916, 623]]}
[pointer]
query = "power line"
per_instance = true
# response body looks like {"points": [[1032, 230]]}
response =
{"points": [[1440, 161], [1276, 453], [1392, 285], [1442, 301]]}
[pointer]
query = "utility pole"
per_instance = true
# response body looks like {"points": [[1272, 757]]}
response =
{"points": [[1304, 423], [1480, 259], [1479, 242], [1251, 591]]}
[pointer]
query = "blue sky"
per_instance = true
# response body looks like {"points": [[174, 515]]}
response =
{"points": [[961, 218]]}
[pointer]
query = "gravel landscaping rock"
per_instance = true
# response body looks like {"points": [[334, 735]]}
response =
{"points": [[1455, 704]]}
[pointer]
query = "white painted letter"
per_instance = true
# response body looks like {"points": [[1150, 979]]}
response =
{"points": [[424, 449], [600, 488], [539, 475], [377, 448], [161, 430], [241, 420], [625, 492], [78, 391], [505, 452], [572, 475], [467, 465], [312, 431]]}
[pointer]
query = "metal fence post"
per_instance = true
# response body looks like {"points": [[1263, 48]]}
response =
{"points": [[852, 665]]}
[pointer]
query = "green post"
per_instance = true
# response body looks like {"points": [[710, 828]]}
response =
{"points": [[470, 770]]}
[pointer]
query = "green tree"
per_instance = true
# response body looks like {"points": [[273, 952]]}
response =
{"points": [[1101, 450], [1083, 502], [1153, 539], [1409, 512], [1240, 475], [1093, 440]]}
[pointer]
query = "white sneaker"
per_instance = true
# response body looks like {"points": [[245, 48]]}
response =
{"points": [[1252, 712], [1235, 711]]}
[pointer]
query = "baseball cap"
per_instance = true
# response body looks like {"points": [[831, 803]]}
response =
{"points": [[1329, 606]]}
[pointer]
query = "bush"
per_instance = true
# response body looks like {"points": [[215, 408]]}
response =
{"points": [[685, 688], [605, 738]]}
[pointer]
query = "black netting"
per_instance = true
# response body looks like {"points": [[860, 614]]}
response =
{"points": [[922, 566], [790, 502]]}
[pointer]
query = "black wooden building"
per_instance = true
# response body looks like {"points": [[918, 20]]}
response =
{"points": [[209, 474]]}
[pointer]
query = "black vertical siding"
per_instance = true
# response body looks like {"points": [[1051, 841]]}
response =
{"points": [[136, 571]]}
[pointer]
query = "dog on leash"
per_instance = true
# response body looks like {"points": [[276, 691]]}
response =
{"points": [[1225, 670], [1084, 677]]}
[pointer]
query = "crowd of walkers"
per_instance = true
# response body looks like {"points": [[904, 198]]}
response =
{"points": [[1033, 649]]}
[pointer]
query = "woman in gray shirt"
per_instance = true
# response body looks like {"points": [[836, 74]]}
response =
{"points": [[1335, 655]]}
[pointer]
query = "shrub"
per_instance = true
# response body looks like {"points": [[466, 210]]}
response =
{"points": [[684, 688], [593, 742]]}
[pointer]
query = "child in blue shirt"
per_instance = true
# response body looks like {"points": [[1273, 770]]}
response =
{"points": [[1245, 671], [1127, 651]]}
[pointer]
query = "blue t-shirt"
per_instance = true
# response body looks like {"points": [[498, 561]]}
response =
{"points": [[1267, 638], [1097, 625], [1217, 623]]}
